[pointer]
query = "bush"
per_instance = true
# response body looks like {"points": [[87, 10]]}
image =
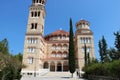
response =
{"points": [[115, 69], [107, 69]]}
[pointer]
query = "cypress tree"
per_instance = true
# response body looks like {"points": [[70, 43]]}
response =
{"points": [[71, 50], [85, 51], [103, 50], [88, 58], [117, 40], [100, 51], [104, 46]]}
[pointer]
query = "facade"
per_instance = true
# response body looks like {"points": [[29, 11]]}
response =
{"points": [[50, 52]]}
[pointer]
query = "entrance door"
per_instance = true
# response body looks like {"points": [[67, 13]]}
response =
{"points": [[59, 67], [52, 66]]}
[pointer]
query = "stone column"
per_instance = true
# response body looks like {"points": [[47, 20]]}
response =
{"points": [[55, 66], [62, 66], [49, 66]]}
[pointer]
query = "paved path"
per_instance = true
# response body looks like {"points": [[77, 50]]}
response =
{"points": [[50, 78]]}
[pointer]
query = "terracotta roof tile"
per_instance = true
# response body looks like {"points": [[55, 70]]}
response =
{"points": [[58, 32], [81, 22]]}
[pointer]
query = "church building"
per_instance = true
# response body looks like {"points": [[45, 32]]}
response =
{"points": [[49, 53]]}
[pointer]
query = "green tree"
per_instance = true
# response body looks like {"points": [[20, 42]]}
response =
{"points": [[88, 58], [19, 57], [114, 54], [71, 50], [103, 50], [4, 46], [104, 47], [10, 66], [85, 52], [117, 40], [100, 51]]}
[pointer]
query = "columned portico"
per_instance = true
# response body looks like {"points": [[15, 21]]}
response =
{"points": [[56, 66]]}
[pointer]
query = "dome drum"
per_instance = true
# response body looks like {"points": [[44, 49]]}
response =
{"points": [[81, 22]]}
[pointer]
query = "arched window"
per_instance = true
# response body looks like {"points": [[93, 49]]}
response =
{"points": [[35, 14], [65, 47], [53, 46], [37, 1], [63, 37], [53, 55], [59, 46], [59, 54], [32, 14], [35, 25], [45, 65], [40, 1], [64, 55], [32, 26], [39, 14]]}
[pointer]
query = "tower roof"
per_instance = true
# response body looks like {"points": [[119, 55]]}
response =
{"points": [[82, 22]]}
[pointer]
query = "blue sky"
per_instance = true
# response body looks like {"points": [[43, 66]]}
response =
{"points": [[103, 15]]}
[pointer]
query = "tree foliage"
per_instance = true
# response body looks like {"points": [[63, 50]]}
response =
{"points": [[114, 54], [117, 40], [110, 58], [4, 46], [10, 65], [71, 50], [100, 51], [85, 52], [107, 69], [103, 50]]}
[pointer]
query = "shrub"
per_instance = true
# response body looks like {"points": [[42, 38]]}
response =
{"points": [[107, 69]]}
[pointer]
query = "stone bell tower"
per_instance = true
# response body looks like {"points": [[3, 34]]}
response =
{"points": [[83, 36], [34, 43], [36, 17]]}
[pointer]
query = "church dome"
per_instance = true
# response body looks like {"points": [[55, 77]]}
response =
{"points": [[59, 34], [82, 22]]}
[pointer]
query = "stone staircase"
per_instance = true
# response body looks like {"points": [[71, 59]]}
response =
{"points": [[59, 74], [43, 72], [53, 76]]}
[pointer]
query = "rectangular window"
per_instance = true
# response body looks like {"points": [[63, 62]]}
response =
{"points": [[85, 40], [88, 50], [32, 40], [31, 49], [30, 60]]}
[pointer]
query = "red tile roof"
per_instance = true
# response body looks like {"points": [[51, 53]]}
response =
{"points": [[81, 22], [58, 32]]}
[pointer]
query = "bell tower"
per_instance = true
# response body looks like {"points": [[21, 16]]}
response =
{"points": [[36, 17], [83, 36], [34, 44]]}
